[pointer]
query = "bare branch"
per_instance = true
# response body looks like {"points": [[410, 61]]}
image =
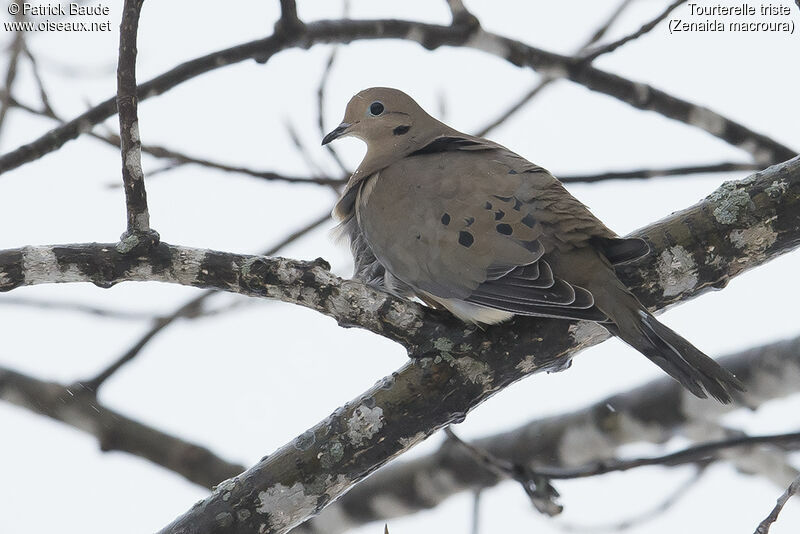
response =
{"points": [[37, 76], [289, 10], [460, 14], [694, 454], [76, 307], [188, 310], [321, 110], [547, 80], [542, 494], [639, 174], [17, 46], [763, 149], [115, 432], [680, 492], [764, 526], [591, 55], [654, 412], [131, 145]]}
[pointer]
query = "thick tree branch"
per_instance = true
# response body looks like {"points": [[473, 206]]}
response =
{"points": [[115, 432], [654, 412], [763, 149], [740, 226]]}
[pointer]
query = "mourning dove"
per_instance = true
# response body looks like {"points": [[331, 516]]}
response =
{"points": [[463, 223]]}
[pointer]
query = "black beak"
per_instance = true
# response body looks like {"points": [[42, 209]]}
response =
{"points": [[336, 133]]}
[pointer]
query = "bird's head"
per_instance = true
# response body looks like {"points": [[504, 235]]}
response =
{"points": [[383, 118]]}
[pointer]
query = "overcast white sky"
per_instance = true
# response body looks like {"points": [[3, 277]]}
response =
{"points": [[246, 382]]}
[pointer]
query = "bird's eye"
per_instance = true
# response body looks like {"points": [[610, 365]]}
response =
{"points": [[375, 109]]}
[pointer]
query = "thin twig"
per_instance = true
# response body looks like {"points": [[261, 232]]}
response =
{"points": [[130, 146], [181, 158], [323, 82], [476, 511], [17, 45], [76, 307], [547, 80], [696, 453], [542, 494], [693, 454], [794, 487], [680, 492], [641, 96], [591, 55], [37, 76], [653, 173], [189, 309], [289, 22]]}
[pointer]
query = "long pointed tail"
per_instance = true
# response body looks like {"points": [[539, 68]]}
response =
{"points": [[680, 359]]}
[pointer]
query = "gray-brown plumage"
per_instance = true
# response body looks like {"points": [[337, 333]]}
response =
{"points": [[465, 224]]}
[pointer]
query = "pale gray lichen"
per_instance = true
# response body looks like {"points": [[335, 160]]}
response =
{"points": [[731, 206], [332, 454], [776, 189], [286, 505], [443, 344], [677, 271], [127, 244], [473, 370], [587, 332], [40, 264], [364, 423], [756, 239]]}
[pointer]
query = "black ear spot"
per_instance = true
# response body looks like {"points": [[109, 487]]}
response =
{"points": [[401, 130], [504, 229], [465, 239], [488, 205]]}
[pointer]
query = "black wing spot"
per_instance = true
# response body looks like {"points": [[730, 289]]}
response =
{"points": [[504, 229], [528, 221], [445, 219], [504, 199], [517, 203], [469, 220], [512, 171], [401, 130], [465, 239], [499, 214]]}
